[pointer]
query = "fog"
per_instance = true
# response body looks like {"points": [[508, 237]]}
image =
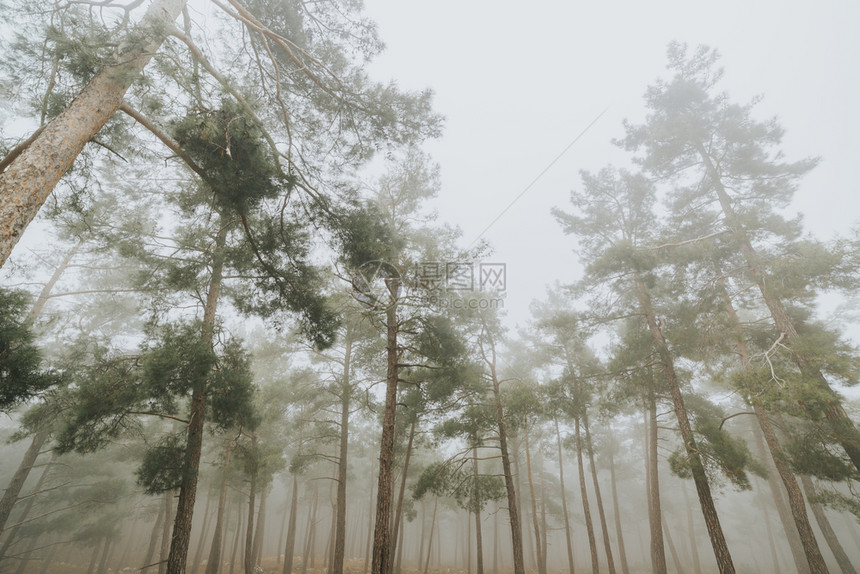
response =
{"points": [[396, 288]]}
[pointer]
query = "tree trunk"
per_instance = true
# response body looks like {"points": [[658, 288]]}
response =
{"points": [[381, 535], [672, 550], [622, 554], [13, 534], [432, 530], [290, 546], [45, 293], [213, 565], [826, 528], [29, 179], [840, 423], [201, 542], [248, 555], [479, 539], [240, 519], [564, 512], [260, 530], [400, 548], [398, 514], [165, 533], [694, 549], [603, 526], [153, 538], [20, 476], [513, 511], [346, 395], [655, 510], [540, 562], [796, 503], [308, 554], [592, 544], [369, 526], [176, 562], [278, 565], [703, 489], [103, 562]]}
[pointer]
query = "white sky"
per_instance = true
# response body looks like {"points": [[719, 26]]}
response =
{"points": [[518, 81]]}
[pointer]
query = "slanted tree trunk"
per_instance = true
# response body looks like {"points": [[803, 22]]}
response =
{"points": [[513, 511], [564, 512], [622, 554], [290, 545], [20, 476], [703, 489], [31, 498], [381, 535], [340, 520], [826, 529], [586, 510], [603, 526], [540, 562], [30, 178], [176, 562], [213, 565], [796, 503], [840, 423]]}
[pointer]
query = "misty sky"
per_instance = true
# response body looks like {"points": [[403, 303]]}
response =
{"points": [[518, 81]]}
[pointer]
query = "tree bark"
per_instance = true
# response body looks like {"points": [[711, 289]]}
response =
{"points": [[381, 562], [31, 177], [176, 562], [703, 489], [213, 565], [586, 510]]}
